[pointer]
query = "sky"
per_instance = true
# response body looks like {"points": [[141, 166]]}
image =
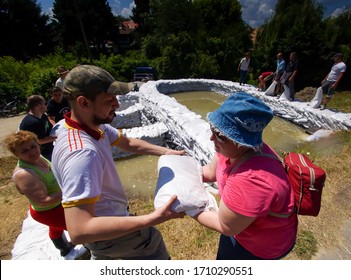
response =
{"points": [[254, 12]]}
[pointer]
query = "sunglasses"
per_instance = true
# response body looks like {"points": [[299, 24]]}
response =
{"points": [[218, 135]]}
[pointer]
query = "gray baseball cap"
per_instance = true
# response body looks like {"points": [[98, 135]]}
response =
{"points": [[90, 80]]}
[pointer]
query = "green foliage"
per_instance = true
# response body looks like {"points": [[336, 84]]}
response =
{"points": [[13, 78], [122, 67], [205, 66], [37, 76], [41, 81], [219, 16], [189, 35], [338, 32], [181, 39], [341, 101], [173, 17]]}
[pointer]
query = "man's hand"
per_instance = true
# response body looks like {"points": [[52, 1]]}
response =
{"points": [[166, 213]]}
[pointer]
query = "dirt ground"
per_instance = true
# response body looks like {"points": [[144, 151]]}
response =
{"points": [[8, 125]]}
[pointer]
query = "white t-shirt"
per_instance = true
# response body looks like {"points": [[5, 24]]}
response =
{"points": [[335, 71], [244, 64], [59, 83], [85, 170]]}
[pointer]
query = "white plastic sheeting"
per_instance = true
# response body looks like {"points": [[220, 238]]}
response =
{"points": [[34, 243]]}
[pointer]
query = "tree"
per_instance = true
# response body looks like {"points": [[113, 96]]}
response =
{"points": [[186, 34], [24, 32], [141, 11], [224, 36], [172, 39], [89, 23]]}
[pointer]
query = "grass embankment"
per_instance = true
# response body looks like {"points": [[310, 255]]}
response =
{"points": [[187, 240]]}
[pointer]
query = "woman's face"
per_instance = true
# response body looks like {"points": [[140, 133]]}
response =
{"points": [[223, 145], [28, 151]]}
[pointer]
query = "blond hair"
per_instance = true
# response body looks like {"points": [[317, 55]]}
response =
{"points": [[13, 140]]}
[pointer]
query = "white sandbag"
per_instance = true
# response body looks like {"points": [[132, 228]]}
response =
{"points": [[182, 175], [317, 99], [270, 90], [286, 94], [33, 243], [319, 134]]}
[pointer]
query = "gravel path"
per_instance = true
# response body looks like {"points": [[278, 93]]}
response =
{"points": [[8, 125]]}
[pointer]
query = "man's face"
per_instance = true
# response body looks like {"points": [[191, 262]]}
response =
{"points": [[337, 59], [63, 76], [57, 96], [104, 108]]}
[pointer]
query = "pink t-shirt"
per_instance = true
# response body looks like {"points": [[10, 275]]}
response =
{"points": [[257, 187]]}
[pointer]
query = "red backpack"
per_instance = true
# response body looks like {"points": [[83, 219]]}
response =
{"points": [[307, 182]]}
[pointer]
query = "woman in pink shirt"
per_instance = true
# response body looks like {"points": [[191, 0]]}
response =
{"points": [[254, 189]]}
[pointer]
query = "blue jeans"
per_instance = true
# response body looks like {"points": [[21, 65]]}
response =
{"points": [[230, 249], [243, 76]]}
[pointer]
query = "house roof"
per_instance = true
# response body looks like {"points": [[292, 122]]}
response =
{"points": [[127, 27]]}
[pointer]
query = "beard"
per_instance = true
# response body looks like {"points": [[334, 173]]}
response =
{"points": [[98, 120]]}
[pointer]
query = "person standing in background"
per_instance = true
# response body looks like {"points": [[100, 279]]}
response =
{"points": [[288, 78], [57, 105], [279, 72], [38, 122], [62, 71], [332, 80], [243, 68]]}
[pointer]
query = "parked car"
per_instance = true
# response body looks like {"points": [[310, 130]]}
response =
{"points": [[144, 73]]}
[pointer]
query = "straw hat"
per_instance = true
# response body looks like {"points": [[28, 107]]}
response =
{"points": [[62, 70]]}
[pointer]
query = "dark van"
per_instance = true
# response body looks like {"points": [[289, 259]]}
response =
{"points": [[144, 73]]}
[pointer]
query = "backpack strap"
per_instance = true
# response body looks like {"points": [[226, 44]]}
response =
{"points": [[266, 155]]}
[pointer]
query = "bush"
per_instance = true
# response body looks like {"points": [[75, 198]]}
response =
{"points": [[41, 81]]}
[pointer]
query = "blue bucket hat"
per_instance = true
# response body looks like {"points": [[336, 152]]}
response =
{"points": [[242, 118]]}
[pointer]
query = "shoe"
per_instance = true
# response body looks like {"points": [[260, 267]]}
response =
{"points": [[323, 107], [63, 245]]}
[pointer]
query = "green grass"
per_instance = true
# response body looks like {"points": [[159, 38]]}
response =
{"points": [[306, 245], [341, 101]]}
